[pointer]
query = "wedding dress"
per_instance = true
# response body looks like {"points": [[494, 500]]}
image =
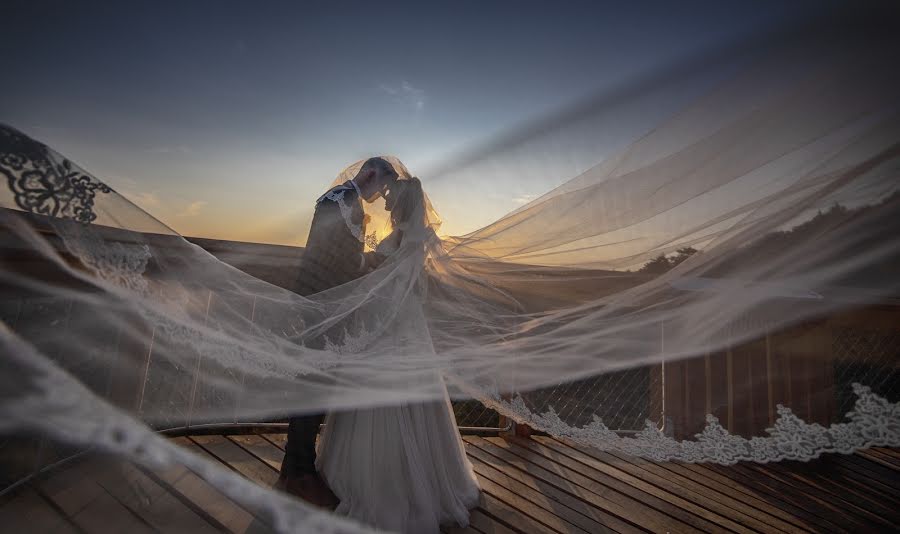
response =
{"points": [[403, 467]]}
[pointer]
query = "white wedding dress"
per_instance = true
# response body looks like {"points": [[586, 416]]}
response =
{"points": [[400, 468]]}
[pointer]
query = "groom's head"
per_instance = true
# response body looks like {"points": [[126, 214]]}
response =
{"points": [[375, 176]]}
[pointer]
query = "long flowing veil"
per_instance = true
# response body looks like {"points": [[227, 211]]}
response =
{"points": [[718, 284]]}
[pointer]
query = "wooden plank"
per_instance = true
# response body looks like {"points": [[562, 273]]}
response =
{"points": [[19, 458], [841, 502], [230, 454], [549, 494], [262, 449], [487, 524], [98, 486], [726, 486], [861, 471], [279, 440], [812, 500], [151, 502], [72, 488], [887, 450], [626, 504], [823, 476], [721, 503], [672, 504], [871, 474], [615, 512], [879, 458], [746, 488], [824, 513], [511, 516], [29, 512], [106, 514], [864, 486], [874, 472], [529, 509], [460, 530], [545, 495], [230, 516]]}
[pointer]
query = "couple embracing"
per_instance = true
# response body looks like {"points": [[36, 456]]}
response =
{"points": [[399, 467]]}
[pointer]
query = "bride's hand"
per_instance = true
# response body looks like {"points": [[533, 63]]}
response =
{"points": [[373, 261]]}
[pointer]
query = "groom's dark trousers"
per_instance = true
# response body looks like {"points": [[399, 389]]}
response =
{"points": [[333, 256]]}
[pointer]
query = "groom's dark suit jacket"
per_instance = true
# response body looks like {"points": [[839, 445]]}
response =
{"points": [[334, 249], [333, 256]]}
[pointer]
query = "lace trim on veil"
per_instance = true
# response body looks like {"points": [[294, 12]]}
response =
{"points": [[874, 422]]}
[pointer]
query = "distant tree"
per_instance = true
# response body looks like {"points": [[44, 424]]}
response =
{"points": [[824, 224], [663, 263], [681, 255], [657, 265]]}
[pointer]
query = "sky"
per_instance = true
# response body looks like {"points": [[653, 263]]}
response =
{"points": [[228, 119]]}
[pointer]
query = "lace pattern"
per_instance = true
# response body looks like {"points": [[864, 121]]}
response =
{"points": [[874, 422], [352, 344], [337, 196], [41, 185], [121, 264]]}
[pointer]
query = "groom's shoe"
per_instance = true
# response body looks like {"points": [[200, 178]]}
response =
{"points": [[310, 487]]}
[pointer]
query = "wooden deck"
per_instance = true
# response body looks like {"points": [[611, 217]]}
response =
{"points": [[531, 485]]}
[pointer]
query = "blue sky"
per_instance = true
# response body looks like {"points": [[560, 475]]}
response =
{"points": [[227, 119]]}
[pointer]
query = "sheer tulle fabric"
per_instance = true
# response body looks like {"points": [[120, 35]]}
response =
{"points": [[401, 468], [114, 325], [398, 468]]}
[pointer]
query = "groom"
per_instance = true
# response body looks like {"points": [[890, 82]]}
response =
{"points": [[333, 256]]}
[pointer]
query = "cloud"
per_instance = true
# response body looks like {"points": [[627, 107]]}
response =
{"points": [[523, 199], [193, 209], [144, 199], [405, 94]]}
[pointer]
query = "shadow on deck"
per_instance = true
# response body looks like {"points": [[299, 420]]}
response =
{"points": [[530, 485]]}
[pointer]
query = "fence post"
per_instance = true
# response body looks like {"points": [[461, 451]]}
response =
{"points": [[196, 379]]}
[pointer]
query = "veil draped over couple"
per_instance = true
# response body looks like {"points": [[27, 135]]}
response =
{"points": [[686, 289], [401, 468]]}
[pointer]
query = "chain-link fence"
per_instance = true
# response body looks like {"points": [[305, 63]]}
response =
{"points": [[623, 400], [474, 415], [870, 357]]}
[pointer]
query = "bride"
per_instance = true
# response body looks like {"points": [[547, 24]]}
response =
{"points": [[401, 467]]}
